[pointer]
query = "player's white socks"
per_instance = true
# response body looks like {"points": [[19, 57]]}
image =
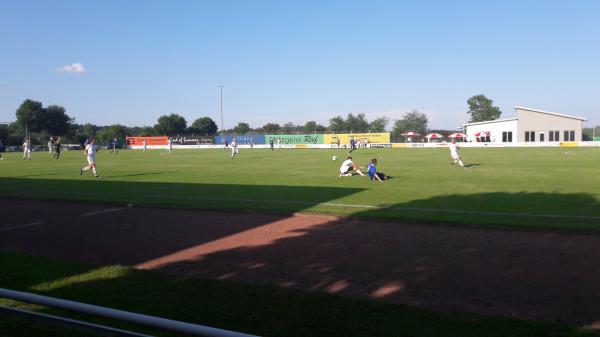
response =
{"points": [[94, 170]]}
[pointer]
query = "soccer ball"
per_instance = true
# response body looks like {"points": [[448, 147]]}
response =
{"points": [[334, 158]]}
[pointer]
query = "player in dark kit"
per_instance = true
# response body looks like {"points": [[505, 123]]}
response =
{"points": [[114, 146], [352, 144], [271, 144], [57, 147]]}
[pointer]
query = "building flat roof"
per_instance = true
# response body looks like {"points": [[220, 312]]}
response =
{"points": [[550, 113], [492, 121]]}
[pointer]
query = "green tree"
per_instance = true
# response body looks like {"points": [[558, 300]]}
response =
{"points": [[412, 121], [204, 125], [481, 109], [56, 122], [379, 124], [4, 132], [356, 123], [106, 134], [313, 127], [89, 130], [337, 124], [271, 128], [242, 128], [170, 124], [146, 131], [289, 127], [30, 116]]}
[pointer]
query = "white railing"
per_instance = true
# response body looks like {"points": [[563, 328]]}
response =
{"points": [[125, 316]]}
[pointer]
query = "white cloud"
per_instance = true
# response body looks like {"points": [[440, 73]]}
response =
{"points": [[73, 68]]}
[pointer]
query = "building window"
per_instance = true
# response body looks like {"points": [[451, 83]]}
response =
{"points": [[507, 136], [553, 136], [542, 137], [569, 136], [530, 136]]}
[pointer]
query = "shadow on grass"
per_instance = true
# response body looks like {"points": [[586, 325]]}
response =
{"points": [[536, 275], [219, 196], [552, 276], [262, 310]]}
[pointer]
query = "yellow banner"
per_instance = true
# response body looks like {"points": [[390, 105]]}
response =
{"points": [[394, 145], [301, 146], [344, 138], [569, 144]]}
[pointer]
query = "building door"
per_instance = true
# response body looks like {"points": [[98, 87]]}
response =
{"points": [[542, 137]]}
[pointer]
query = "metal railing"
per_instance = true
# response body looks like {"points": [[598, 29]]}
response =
{"points": [[125, 316]]}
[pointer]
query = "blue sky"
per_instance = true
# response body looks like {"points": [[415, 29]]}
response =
{"points": [[297, 61]]}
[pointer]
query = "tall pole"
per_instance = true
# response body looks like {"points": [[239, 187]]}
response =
{"points": [[221, 87]]}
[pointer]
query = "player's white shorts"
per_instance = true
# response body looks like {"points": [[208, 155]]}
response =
{"points": [[91, 159], [234, 150], [455, 156]]}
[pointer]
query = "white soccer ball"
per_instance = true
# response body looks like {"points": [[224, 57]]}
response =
{"points": [[334, 158]]}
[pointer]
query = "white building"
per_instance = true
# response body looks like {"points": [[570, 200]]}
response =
{"points": [[530, 125]]}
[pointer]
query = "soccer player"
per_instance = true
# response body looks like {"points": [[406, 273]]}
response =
{"points": [[1, 149], [170, 143], [144, 143], [115, 142], [271, 144], [27, 148], [234, 148], [352, 145], [90, 153], [57, 147], [50, 145], [454, 153], [348, 166], [373, 174], [278, 143]]}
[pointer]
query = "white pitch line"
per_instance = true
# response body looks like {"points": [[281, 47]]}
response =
{"points": [[103, 211], [21, 226]]}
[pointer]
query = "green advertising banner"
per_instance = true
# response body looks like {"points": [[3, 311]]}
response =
{"points": [[295, 139], [597, 139]]}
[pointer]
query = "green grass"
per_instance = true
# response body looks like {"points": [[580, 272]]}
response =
{"points": [[267, 311], [555, 188]]}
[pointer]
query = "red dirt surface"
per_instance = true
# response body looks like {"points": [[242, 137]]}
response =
{"points": [[551, 276]]}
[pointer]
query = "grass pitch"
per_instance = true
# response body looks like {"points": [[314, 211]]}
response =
{"points": [[522, 187], [261, 310]]}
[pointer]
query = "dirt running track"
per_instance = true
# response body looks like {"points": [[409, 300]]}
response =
{"points": [[528, 274]]}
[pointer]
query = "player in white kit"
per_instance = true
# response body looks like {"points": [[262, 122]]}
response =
{"points": [[90, 154], [27, 148], [234, 148], [454, 153], [50, 145], [348, 166]]}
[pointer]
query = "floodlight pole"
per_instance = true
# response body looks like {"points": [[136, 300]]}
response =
{"points": [[221, 87]]}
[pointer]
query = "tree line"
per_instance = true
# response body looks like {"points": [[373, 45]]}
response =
{"points": [[43, 122]]}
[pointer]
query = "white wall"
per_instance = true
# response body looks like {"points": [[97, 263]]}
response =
{"points": [[495, 128]]}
